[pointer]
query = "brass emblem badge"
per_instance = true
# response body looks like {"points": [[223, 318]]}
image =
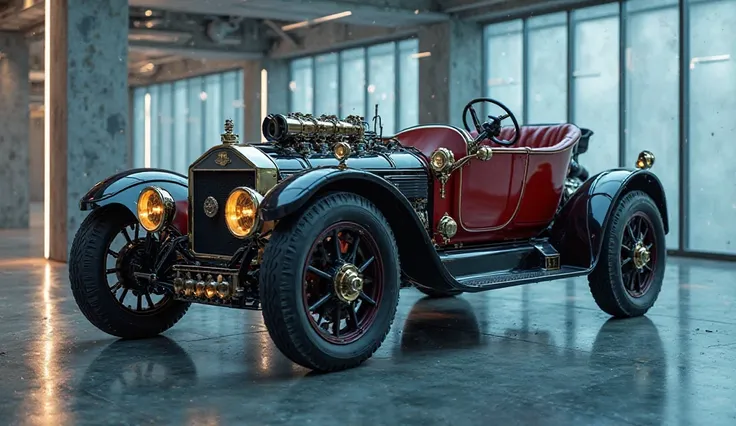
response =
{"points": [[222, 159], [210, 206]]}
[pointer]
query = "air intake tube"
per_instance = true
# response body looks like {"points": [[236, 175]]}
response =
{"points": [[279, 127]]}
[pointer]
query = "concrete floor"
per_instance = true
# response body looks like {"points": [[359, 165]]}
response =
{"points": [[541, 354]]}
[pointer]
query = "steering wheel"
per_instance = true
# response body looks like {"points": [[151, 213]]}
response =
{"points": [[492, 127]]}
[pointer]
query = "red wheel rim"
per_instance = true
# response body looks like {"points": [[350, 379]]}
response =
{"points": [[338, 314], [638, 255]]}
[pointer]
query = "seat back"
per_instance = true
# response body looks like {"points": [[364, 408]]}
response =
{"points": [[544, 137]]}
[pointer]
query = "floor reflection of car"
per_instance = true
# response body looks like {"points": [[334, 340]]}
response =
{"points": [[440, 324]]}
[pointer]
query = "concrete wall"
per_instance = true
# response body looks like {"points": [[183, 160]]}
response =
{"points": [[35, 153]]}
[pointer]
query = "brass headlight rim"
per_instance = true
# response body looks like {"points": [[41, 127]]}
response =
{"points": [[448, 159], [256, 198], [645, 160], [169, 207]]}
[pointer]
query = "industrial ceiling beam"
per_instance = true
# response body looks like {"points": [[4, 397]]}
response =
{"points": [[385, 13], [334, 36]]}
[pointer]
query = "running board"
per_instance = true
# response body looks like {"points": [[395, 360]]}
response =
{"points": [[495, 280]]}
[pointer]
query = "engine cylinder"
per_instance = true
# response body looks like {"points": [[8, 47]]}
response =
{"points": [[279, 127]]}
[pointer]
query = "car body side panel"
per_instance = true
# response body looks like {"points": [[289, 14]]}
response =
{"points": [[514, 195]]}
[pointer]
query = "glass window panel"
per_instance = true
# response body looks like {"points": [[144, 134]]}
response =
{"points": [[301, 86], [547, 73], [408, 83], [139, 126], [596, 83], [352, 86], [230, 108], [239, 104], [652, 95], [325, 68], [214, 120], [186, 118], [711, 186], [381, 85], [155, 148], [180, 141], [504, 62], [166, 126], [195, 119]]}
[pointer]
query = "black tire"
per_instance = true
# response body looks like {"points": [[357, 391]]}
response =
{"points": [[436, 294], [93, 294], [283, 281], [607, 279]]}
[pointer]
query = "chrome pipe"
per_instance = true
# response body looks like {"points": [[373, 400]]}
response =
{"points": [[279, 127]]}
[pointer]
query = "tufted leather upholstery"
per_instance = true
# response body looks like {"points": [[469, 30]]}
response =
{"points": [[540, 138]]}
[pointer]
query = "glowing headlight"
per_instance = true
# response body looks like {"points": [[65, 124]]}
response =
{"points": [[341, 150], [241, 212], [441, 160], [156, 208]]}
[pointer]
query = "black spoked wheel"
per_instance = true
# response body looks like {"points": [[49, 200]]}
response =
{"points": [[638, 255], [628, 276], [343, 282], [107, 251], [330, 283], [125, 258]]}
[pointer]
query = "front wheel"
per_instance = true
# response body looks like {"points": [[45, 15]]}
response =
{"points": [[330, 283], [108, 248], [628, 277]]}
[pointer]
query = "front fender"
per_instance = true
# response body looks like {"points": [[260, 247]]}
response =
{"points": [[418, 257], [291, 194], [579, 227], [123, 189]]}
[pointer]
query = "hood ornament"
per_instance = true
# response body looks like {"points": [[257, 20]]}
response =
{"points": [[228, 137]]}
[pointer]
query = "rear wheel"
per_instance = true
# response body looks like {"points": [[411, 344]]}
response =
{"points": [[108, 248], [330, 283], [628, 277]]}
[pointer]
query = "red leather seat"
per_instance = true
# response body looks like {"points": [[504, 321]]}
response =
{"points": [[547, 138]]}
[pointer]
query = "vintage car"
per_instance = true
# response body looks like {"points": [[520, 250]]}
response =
{"points": [[320, 228]]}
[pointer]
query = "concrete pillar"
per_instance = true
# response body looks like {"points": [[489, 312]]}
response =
{"points": [[452, 75], [276, 102], [278, 85], [86, 108], [14, 127], [252, 101]]}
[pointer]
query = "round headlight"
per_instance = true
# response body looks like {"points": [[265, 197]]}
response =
{"points": [[156, 208], [441, 160], [241, 212], [341, 150]]}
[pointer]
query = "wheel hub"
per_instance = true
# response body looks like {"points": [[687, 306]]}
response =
{"points": [[348, 283], [129, 262], [641, 255]]}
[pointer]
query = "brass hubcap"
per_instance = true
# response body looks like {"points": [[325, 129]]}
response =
{"points": [[348, 283], [641, 255]]}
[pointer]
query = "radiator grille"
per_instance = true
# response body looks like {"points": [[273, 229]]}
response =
{"points": [[210, 236], [412, 186]]}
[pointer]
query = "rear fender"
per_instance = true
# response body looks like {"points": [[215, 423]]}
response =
{"points": [[418, 257], [124, 188], [579, 227]]}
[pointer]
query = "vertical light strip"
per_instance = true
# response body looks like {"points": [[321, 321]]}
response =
{"points": [[147, 130], [264, 98], [47, 133]]}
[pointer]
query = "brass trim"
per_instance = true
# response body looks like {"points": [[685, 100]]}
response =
{"points": [[266, 178], [447, 228], [552, 263]]}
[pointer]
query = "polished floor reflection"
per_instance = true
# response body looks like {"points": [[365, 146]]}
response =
{"points": [[540, 355]]}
